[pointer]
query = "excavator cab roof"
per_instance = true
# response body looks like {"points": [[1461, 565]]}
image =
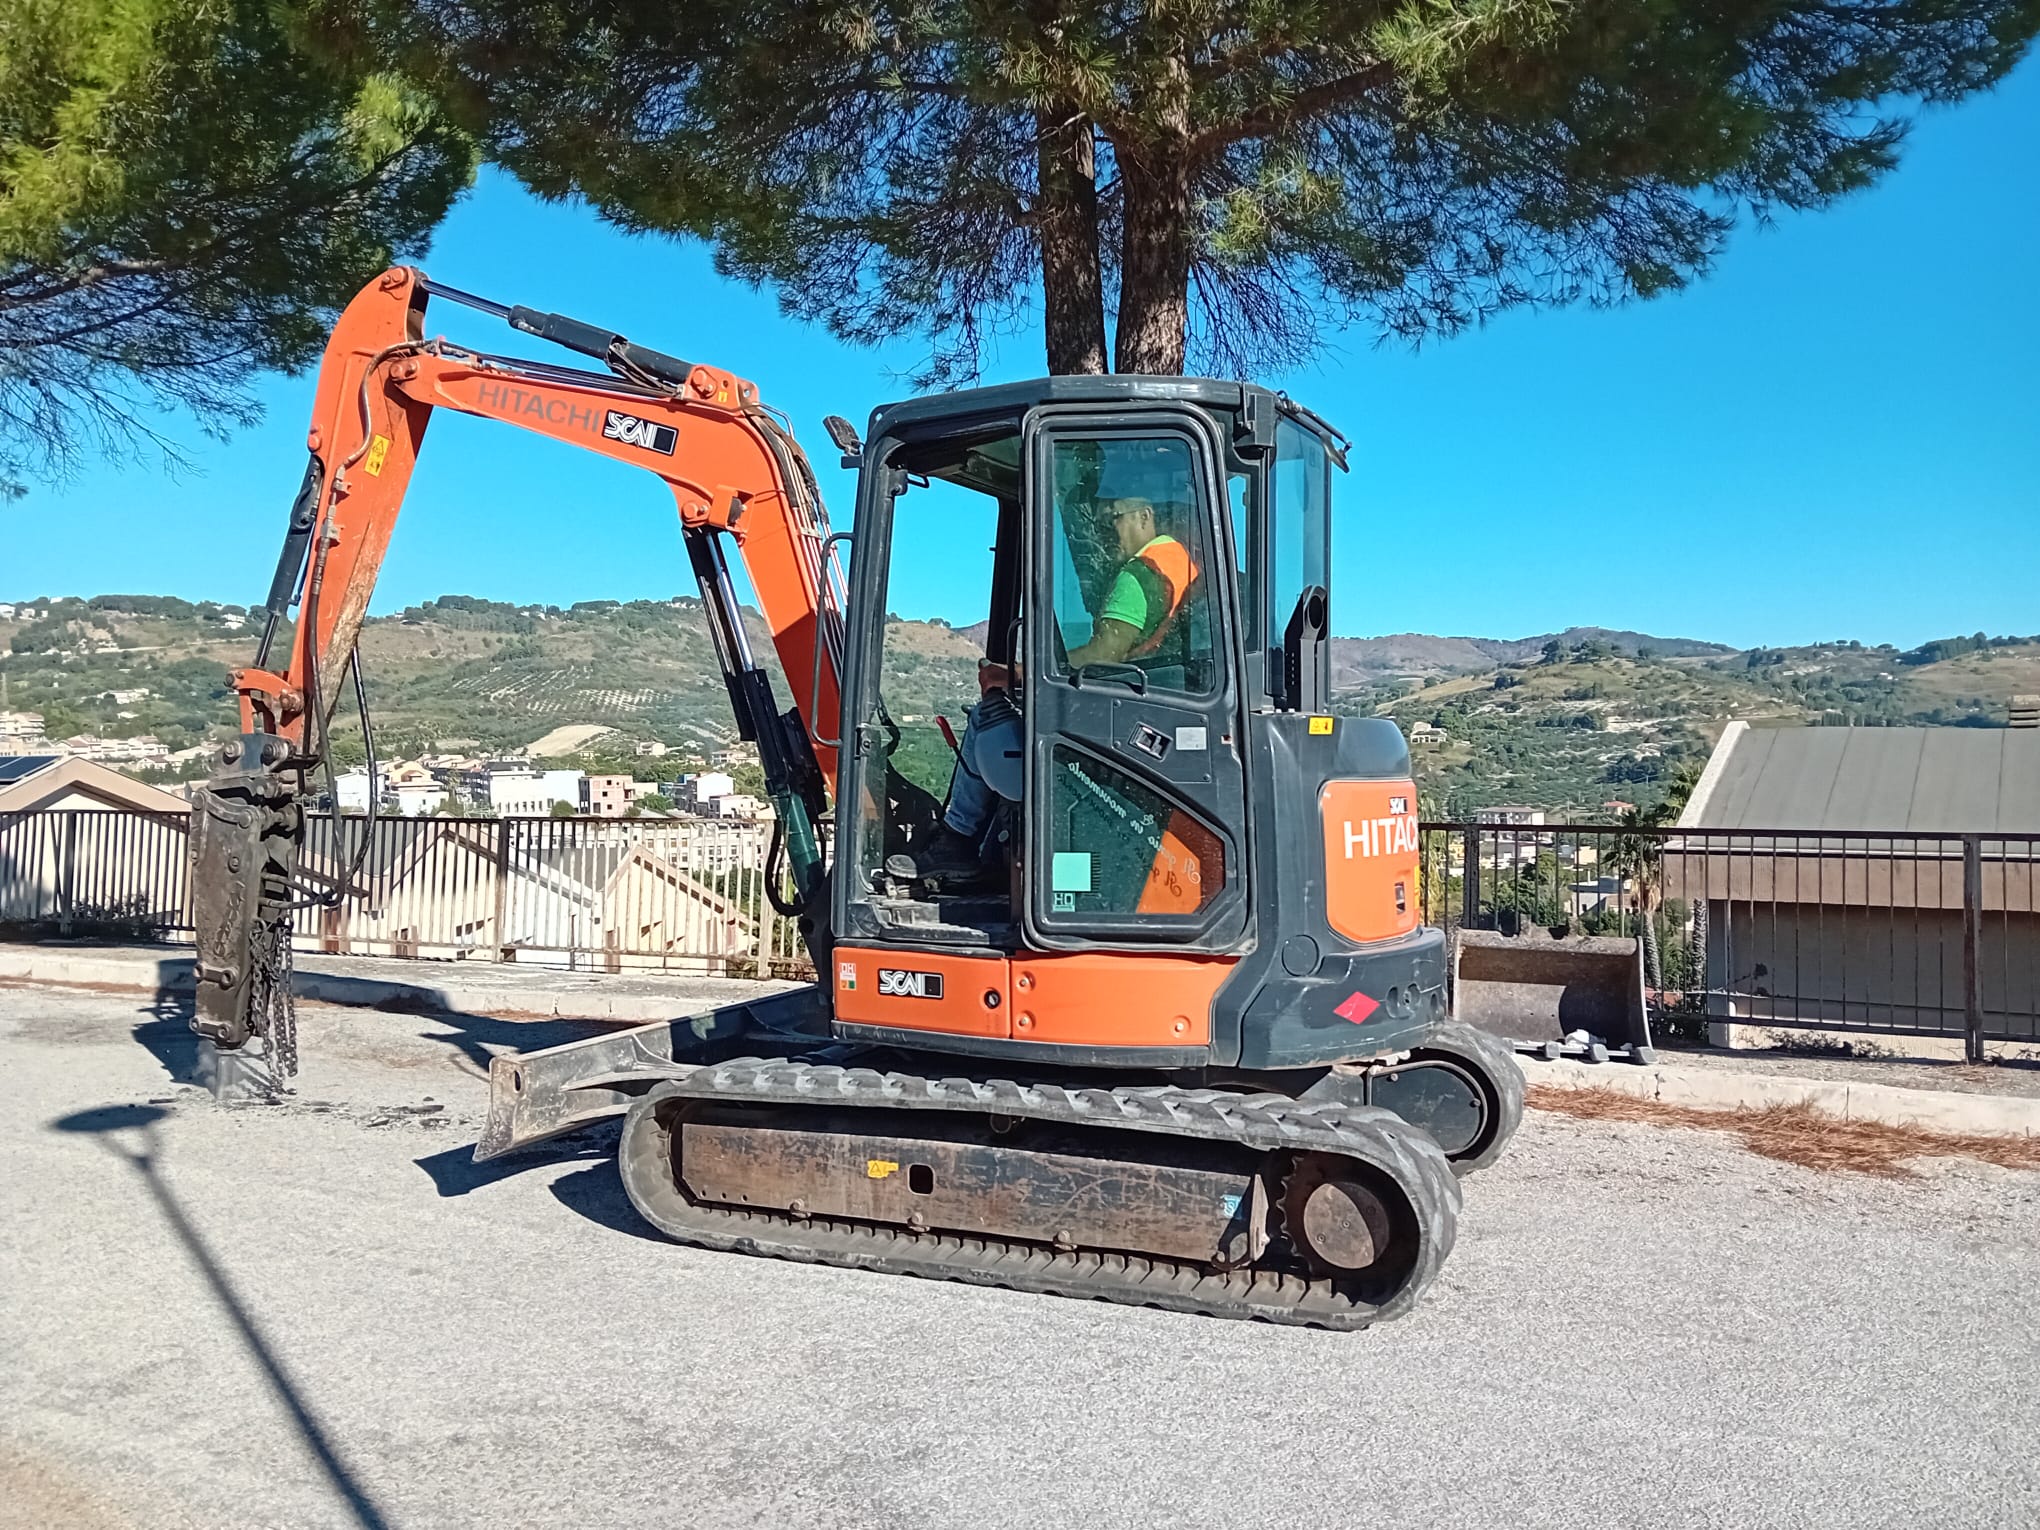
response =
{"points": [[1252, 407]]}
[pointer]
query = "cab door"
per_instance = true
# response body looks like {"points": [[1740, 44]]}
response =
{"points": [[1135, 797]]}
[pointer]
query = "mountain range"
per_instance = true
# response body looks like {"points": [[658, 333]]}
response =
{"points": [[1566, 720]]}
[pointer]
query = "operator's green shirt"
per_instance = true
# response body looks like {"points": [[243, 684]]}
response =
{"points": [[1139, 596]]}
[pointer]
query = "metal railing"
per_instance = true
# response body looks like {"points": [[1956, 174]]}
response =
{"points": [[1878, 933], [1884, 932], [606, 895]]}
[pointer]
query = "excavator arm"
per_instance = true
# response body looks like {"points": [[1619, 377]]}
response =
{"points": [[736, 475]]}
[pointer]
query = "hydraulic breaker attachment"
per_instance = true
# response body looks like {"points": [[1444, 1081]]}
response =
{"points": [[247, 824]]}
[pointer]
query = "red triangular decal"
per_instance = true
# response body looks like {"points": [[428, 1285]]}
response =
{"points": [[1357, 1008]]}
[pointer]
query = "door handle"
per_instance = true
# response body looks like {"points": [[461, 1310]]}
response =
{"points": [[1132, 674]]}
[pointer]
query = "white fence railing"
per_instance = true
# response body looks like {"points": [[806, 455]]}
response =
{"points": [[612, 895]]}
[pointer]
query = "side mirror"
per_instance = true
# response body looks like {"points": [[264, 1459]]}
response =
{"points": [[1302, 645]]}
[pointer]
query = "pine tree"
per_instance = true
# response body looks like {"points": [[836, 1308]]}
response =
{"points": [[186, 196], [1226, 180]]}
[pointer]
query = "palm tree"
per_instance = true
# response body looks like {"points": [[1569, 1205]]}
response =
{"points": [[1636, 855], [1685, 780]]}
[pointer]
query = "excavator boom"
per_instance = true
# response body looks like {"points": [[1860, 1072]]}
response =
{"points": [[734, 472]]}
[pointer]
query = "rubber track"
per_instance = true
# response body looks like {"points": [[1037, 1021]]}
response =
{"points": [[1369, 1134], [1495, 1060]]}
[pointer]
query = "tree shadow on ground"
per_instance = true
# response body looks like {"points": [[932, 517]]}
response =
{"points": [[109, 1126], [480, 1037]]}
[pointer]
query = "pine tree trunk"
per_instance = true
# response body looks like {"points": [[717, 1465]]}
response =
{"points": [[1154, 255], [1154, 261], [1072, 281]]}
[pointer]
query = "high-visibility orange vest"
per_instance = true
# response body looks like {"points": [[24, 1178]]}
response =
{"points": [[1171, 562]]}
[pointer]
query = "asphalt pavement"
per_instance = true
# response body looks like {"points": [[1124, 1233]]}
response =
{"points": [[321, 1314]]}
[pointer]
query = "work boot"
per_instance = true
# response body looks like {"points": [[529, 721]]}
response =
{"points": [[949, 859]]}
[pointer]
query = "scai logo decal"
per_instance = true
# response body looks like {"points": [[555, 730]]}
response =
{"points": [[632, 431], [898, 983]]}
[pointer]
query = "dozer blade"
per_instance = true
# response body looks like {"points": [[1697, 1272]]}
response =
{"points": [[1535, 993], [537, 1095]]}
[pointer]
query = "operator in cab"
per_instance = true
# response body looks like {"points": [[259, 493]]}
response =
{"points": [[1137, 624]]}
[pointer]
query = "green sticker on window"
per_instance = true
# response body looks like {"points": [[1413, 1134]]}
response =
{"points": [[1070, 872]]}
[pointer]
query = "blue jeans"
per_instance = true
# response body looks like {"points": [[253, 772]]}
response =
{"points": [[987, 769]]}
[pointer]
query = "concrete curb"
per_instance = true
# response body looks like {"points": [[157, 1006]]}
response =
{"points": [[586, 996], [1939, 1110], [567, 996]]}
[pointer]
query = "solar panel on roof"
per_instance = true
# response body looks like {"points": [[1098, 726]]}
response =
{"points": [[20, 767]]}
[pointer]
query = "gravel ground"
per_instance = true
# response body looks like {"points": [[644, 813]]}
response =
{"points": [[320, 1314]]}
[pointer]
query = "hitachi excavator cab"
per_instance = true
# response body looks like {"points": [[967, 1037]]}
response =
{"points": [[1205, 866]]}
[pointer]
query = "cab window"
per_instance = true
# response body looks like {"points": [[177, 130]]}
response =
{"points": [[1299, 529], [1129, 563]]}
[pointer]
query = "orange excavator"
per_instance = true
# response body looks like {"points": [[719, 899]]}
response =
{"points": [[1178, 1038]]}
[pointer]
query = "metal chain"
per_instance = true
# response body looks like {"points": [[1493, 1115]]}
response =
{"points": [[274, 1002], [283, 1004]]}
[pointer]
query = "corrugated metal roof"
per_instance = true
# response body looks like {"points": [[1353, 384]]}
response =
{"points": [[1853, 780]]}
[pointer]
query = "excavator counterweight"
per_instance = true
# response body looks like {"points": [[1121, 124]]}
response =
{"points": [[1120, 993]]}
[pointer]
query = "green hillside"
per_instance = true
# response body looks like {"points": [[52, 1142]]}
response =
{"points": [[1565, 722], [1589, 725], [457, 673]]}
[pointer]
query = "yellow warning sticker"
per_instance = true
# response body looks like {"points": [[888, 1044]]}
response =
{"points": [[879, 1168], [1320, 725], [378, 448]]}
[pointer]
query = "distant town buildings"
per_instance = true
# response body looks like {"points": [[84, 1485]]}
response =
{"points": [[414, 790], [502, 788], [698, 792], [142, 749], [1515, 816], [350, 790], [22, 733], [514, 788], [609, 796]]}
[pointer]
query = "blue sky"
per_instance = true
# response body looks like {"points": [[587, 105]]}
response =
{"points": [[1837, 435]]}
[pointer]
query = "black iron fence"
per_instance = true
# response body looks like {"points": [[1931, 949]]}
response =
{"points": [[1884, 932], [614, 895], [1877, 933]]}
